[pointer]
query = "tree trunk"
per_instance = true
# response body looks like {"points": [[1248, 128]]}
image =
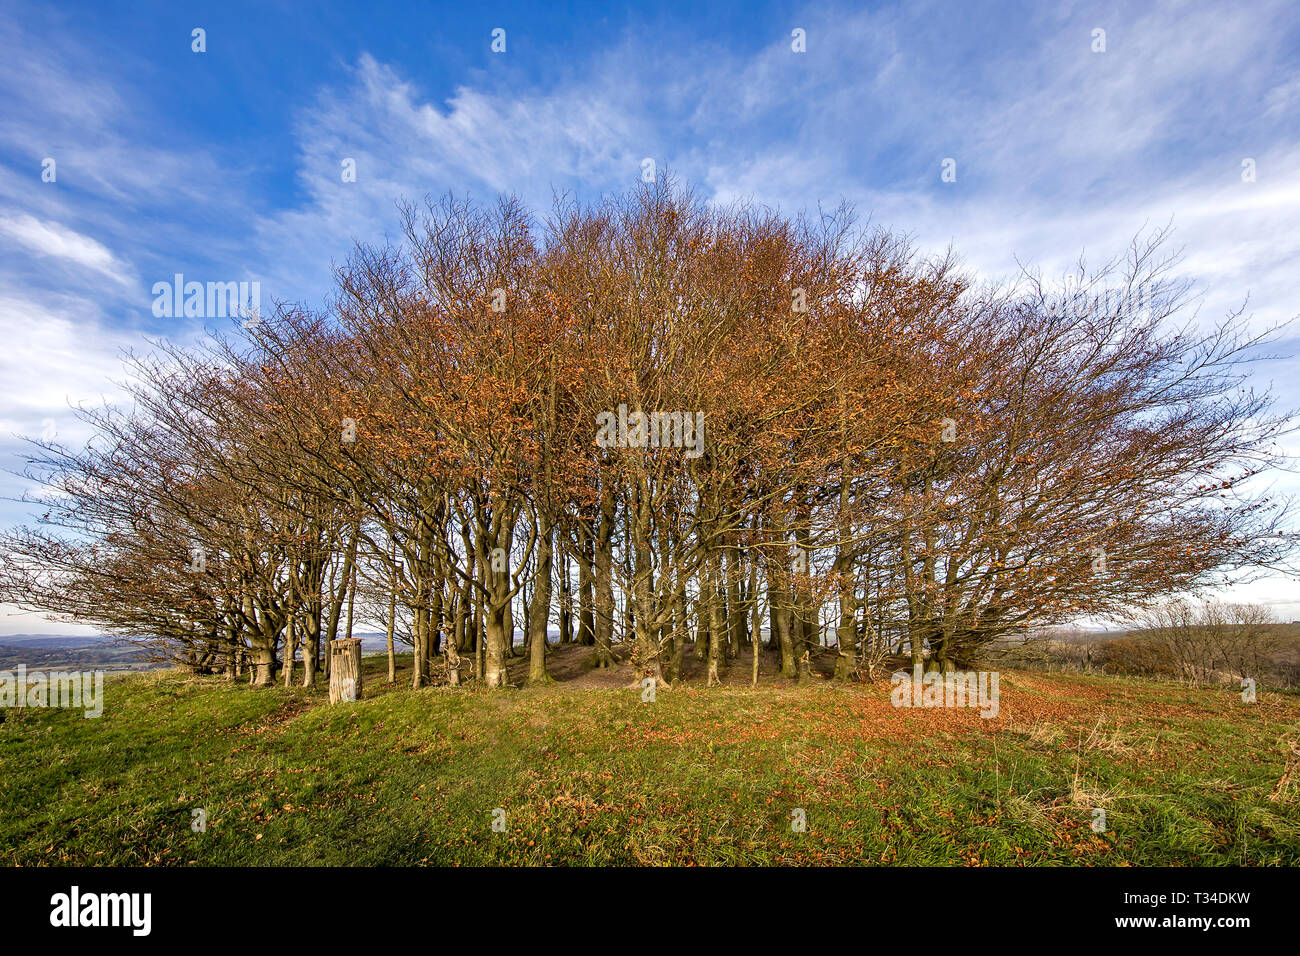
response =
{"points": [[494, 667], [717, 633], [586, 592], [645, 635], [604, 584], [539, 613], [349, 559], [345, 671], [735, 616], [755, 619], [289, 648], [392, 627]]}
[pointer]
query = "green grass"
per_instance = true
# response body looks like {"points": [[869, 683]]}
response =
{"points": [[697, 777]]}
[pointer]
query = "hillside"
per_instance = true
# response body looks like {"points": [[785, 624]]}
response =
{"points": [[588, 774]]}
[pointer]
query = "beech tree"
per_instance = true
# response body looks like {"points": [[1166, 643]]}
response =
{"points": [[659, 424]]}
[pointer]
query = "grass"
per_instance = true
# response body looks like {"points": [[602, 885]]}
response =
{"points": [[595, 776]]}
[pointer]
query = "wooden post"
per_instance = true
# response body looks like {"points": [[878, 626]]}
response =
{"points": [[345, 669]]}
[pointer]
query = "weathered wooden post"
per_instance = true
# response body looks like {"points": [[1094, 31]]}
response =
{"points": [[345, 669]]}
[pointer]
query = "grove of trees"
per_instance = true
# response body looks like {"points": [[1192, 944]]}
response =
{"points": [[822, 436]]}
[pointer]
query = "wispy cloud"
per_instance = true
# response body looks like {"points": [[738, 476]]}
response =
{"points": [[54, 241]]}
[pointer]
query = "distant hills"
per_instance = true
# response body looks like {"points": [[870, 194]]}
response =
{"points": [[102, 652], [53, 641], [68, 652]]}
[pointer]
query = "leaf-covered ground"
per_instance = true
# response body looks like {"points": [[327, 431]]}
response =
{"points": [[596, 776]]}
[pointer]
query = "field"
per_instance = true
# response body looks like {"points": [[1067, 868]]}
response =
{"points": [[590, 774]]}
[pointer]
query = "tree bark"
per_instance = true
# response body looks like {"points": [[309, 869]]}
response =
{"points": [[539, 613]]}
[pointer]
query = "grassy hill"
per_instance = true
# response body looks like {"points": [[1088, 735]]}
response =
{"points": [[588, 774]]}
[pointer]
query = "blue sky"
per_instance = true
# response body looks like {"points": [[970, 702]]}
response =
{"points": [[225, 165]]}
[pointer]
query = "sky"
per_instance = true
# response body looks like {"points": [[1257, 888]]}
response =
{"points": [[231, 163]]}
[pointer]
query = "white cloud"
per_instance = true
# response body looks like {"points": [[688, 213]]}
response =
{"points": [[59, 242], [13, 621], [62, 361]]}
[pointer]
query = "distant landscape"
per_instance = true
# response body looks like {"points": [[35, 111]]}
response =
{"points": [[1196, 654], [99, 652], [1110, 651], [65, 652]]}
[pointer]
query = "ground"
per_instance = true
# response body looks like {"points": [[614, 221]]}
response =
{"points": [[584, 772]]}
